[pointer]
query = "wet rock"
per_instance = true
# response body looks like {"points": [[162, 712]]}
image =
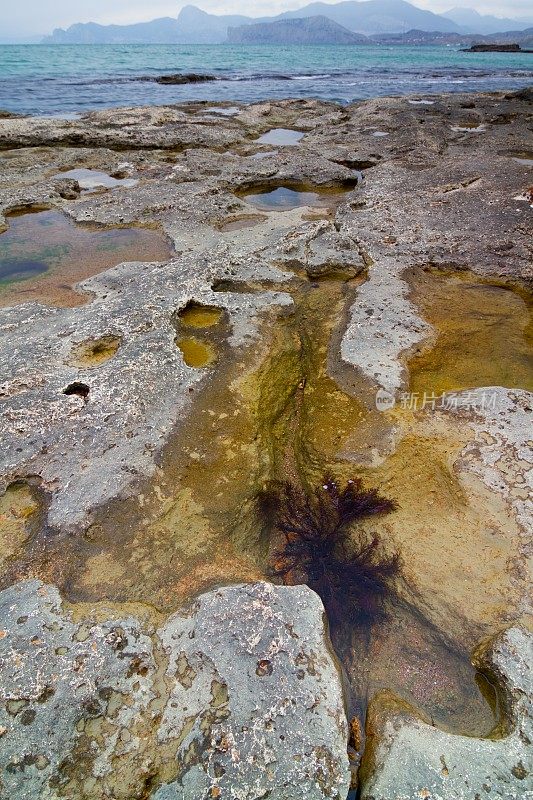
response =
{"points": [[294, 167], [90, 429], [181, 78], [304, 114], [384, 326], [406, 213], [238, 695], [465, 521], [427, 203], [411, 759], [47, 195], [501, 453]]}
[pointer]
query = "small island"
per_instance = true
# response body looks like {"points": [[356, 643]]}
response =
{"points": [[495, 48]]}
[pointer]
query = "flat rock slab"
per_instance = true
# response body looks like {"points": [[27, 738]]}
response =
{"points": [[88, 449], [282, 730]]}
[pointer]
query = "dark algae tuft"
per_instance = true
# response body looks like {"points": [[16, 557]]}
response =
{"points": [[349, 573]]}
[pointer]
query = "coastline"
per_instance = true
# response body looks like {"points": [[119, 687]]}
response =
{"points": [[136, 473]]}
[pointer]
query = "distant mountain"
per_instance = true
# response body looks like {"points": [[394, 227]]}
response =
{"points": [[198, 27], [376, 16], [309, 30], [471, 21], [194, 26], [160, 31]]}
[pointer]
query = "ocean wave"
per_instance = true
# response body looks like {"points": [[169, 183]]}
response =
{"points": [[93, 77], [359, 74], [310, 77]]}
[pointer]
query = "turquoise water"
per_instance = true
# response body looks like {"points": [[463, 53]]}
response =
{"points": [[62, 79]]}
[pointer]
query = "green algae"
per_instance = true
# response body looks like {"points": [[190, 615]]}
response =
{"points": [[43, 254]]}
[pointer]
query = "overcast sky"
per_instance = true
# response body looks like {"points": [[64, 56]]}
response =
{"points": [[31, 17]]}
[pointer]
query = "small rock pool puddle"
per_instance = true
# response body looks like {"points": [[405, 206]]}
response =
{"points": [[91, 179], [287, 197], [284, 199], [484, 335], [281, 137], [196, 353], [200, 351], [285, 409], [44, 253]]}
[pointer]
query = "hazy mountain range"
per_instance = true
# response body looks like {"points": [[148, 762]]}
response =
{"points": [[194, 26], [306, 30], [470, 21], [320, 30]]}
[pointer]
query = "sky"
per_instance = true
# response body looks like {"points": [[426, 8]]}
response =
{"points": [[33, 17]]}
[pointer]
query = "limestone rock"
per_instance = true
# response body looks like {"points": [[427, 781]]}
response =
{"points": [[383, 327], [123, 416], [238, 696], [319, 249], [58, 678], [256, 658]]}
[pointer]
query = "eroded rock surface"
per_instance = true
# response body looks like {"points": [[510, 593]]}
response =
{"points": [[237, 696], [59, 678], [93, 402], [94, 429], [259, 654]]}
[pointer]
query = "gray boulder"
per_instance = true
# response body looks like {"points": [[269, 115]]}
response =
{"points": [[58, 680], [252, 669]]}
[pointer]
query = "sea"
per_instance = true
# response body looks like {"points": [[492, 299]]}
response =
{"points": [[65, 80]]}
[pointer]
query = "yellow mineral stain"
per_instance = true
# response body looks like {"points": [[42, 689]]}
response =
{"points": [[18, 519], [457, 539], [102, 569], [196, 353], [196, 315], [484, 335], [94, 352]]}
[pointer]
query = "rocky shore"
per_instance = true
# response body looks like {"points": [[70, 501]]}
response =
{"points": [[353, 302]]}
